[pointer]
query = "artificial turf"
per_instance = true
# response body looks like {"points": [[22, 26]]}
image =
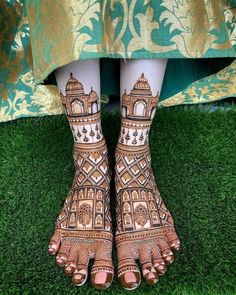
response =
{"points": [[193, 157]]}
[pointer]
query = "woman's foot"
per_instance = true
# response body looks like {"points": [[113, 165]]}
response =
{"points": [[145, 229], [83, 228]]}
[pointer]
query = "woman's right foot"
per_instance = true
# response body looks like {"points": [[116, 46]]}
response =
{"points": [[83, 227]]}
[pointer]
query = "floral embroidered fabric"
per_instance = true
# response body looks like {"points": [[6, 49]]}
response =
{"points": [[33, 45]]}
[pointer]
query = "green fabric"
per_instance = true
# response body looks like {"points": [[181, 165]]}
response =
{"points": [[232, 3], [37, 38], [128, 29], [179, 74]]}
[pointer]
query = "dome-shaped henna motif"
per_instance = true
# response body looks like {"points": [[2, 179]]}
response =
{"points": [[127, 137], [99, 220], [126, 207], [127, 219], [90, 193], [134, 195], [99, 206]]}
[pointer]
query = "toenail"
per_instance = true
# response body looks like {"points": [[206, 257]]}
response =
{"points": [[130, 280], [130, 277], [100, 278], [78, 277], [161, 268], [151, 278], [169, 259], [151, 275], [175, 245], [51, 249], [60, 260], [69, 270], [166, 254]]}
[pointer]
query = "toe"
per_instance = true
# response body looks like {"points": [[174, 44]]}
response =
{"points": [[158, 262], [81, 273], [130, 280], [151, 277], [101, 280], [62, 254], [168, 257], [173, 240], [70, 267], [149, 272], [166, 252], [102, 271], [79, 277], [128, 272], [54, 243], [71, 262]]}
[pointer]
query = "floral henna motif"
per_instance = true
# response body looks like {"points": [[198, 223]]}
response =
{"points": [[145, 229], [83, 227]]}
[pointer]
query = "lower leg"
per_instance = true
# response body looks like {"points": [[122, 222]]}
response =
{"points": [[145, 229], [83, 228]]}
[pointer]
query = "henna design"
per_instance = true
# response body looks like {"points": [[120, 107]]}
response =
{"points": [[145, 228], [82, 111], [83, 227], [78, 103]]}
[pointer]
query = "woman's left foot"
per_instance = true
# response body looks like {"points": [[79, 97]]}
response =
{"points": [[145, 229]]}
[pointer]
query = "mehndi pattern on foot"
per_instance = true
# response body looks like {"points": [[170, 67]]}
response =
{"points": [[83, 227], [145, 228]]}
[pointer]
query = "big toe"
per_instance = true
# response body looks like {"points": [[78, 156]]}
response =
{"points": [[128, 272], [102, 271]]}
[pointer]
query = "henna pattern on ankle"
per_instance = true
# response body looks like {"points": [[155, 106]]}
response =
{"points": [[145, 228], [83, 227]]}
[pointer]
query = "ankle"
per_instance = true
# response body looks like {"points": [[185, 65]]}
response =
{"points": [[134, 133], [86, 129]]}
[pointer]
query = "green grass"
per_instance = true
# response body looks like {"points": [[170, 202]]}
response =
{"points": [[193, 156]]}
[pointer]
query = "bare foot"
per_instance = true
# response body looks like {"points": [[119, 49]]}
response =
{"points": [[145, 229], [83, 227]]}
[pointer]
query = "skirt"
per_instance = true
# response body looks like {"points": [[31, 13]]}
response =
{"points": [[38, 36]]}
